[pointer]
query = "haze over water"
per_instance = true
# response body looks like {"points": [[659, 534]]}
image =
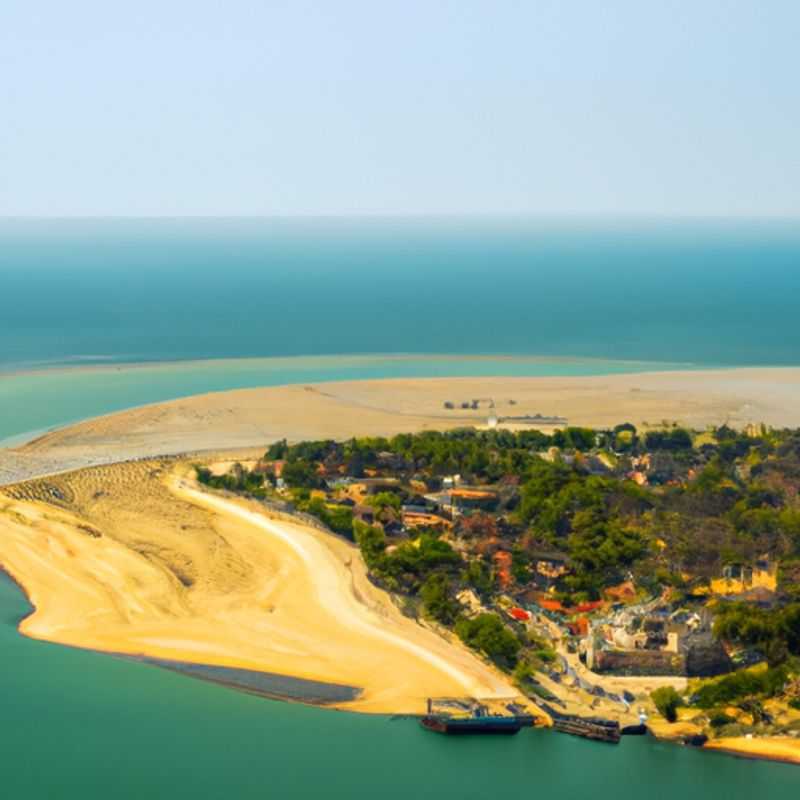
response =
{"points": [[93, 291]]}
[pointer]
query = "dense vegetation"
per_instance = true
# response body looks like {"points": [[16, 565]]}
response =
{"points": [[668, 510]]}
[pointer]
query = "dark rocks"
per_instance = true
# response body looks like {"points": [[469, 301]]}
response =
{"points": [[695, 740]]}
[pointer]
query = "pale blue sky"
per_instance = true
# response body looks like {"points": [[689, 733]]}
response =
{"points": [[342, 107]]}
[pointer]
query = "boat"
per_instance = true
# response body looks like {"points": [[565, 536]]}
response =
{"points": [[441, 723], [479, 721]]}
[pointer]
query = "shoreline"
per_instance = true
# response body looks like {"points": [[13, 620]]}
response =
{"points": [[769, 749], [111, 366], [267, 369], [219, 589], [254, 417], [783, 750]]}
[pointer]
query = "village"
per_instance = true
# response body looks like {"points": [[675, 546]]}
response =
{"points": [[456, 547]]}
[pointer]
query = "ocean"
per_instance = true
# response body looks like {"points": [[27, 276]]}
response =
{"points": [[81, 725], [103, 315], [107, 291]]}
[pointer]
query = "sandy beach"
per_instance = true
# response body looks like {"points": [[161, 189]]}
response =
{"points": [[774, 748], [254, 417], [135, 559]]}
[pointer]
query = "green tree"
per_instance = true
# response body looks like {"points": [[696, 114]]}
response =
{"points": [[277, 450], [372, 543], [301, 474], [667, 701], [437, 600], [384, 500], [488, 634]]}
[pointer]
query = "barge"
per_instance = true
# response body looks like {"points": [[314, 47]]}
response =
{"points": [[479, 721]]}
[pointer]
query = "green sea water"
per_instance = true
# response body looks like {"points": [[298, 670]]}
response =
{"points": [[624, 296], [84, 726]]}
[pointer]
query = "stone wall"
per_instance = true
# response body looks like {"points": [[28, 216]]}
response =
{"points": [[638, 662]]}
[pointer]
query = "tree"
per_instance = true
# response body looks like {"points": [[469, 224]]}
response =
{"points": [[371, 541], [478, 576], [384, 500], [487, 633], [301, 474], [436, 599], [277, 450], [667, 701], [675, 439]]}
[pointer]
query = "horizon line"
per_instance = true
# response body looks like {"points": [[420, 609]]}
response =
{"points": [[516, 215]]}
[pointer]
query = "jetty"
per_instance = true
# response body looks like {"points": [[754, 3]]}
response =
{"points": [[596, 728], [458, 716]]}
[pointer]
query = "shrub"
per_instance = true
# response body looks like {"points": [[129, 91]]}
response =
{"points": [[667, 701], [719, 719], [740, 685]]}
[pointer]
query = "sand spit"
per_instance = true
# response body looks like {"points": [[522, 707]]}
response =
{"points": [[133, 559], [254, 417]]}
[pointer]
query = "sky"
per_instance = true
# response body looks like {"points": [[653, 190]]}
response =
{"points": [[252, 107]]}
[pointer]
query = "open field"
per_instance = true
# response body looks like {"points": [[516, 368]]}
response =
{"points": [[134, 559], [254, 417]]}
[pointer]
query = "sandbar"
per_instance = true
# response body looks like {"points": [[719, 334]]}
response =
{"points": [[252, 418]]}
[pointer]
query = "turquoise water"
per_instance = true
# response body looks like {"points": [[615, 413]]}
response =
{"points": [[618, 296], [41, 400], [153, 290], [82, 725]]}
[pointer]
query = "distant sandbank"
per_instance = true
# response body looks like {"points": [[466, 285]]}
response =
{"points": [[247, 418]]}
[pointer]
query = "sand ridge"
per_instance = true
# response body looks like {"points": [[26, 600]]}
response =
{"points": [[134, 559]]}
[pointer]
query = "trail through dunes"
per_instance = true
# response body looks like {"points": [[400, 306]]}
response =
{"points": [[135, 559]]}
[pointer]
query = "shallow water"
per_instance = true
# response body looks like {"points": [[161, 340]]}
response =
{"points": [[36, 401], [78, 724]]}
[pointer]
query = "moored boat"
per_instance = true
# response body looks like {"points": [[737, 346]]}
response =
{"points": [[479, 720], [441, 723]]}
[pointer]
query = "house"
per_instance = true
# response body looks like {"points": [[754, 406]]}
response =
{"points": [[550, 565], [375, 485], [739, 578], [658, 643], [422, 517], [468, 598]]}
